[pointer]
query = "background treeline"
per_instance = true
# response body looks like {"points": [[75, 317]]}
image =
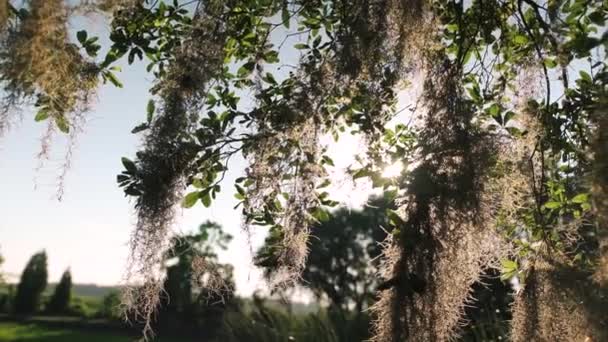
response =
{"points": [[199, 302]]}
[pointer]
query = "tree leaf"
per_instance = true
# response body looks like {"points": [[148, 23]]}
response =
{"points": [[150, 110], [206, 199], [552, 205], [361, 173], [494, 109], [42, 115], [550, 63], [320, 214], [285, 16], [62, 124], [580, 198], [508, 265], [520, 39], [129, 165], [327, 160], [113, 79], [190, 199], [82, 36], [139, 128]]}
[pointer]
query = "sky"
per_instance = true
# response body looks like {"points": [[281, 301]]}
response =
{"points": [[88, 230]]}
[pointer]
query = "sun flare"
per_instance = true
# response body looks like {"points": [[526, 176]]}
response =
{"points": [[393, 170]]}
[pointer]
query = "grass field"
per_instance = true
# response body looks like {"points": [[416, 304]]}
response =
{"points": [[30, 332]]}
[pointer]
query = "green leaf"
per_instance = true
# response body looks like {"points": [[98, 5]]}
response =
{"points": [[301, 46], [585, 76], [122, 178], [474, 93], [191, 199], [246, 69], [514, 131], [580, 198], [508, 265], [269, 78], [131, 191], [394, 218], [150, 110], [552, 205], [508, 116], [325, 183], [129, 165], [597, 18], [113, 79], [327, 160], [550, 63], [139, 128], [271, 56], [206, 199], [361, 173], [520, 39], [452, 27], [320, 214], [42, 115], [62, 124], [285, 16], [82, 36], [494, 110]]}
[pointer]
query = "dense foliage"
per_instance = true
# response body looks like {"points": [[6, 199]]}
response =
{"points": [[198, 289], [504, 149], [343, 257]]}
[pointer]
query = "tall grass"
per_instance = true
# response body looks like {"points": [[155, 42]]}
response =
{"points": [[264, 324]]}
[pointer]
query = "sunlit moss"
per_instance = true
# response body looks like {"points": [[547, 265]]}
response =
{"points": [[559, 303], [38, 59], [599, 191], [167, 158], [447, 238], [3, 13]]}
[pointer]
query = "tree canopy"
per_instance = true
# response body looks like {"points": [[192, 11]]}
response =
{"points": [[504, 149], [343, 258]]}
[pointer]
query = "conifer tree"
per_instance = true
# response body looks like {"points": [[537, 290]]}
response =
{"points": [[31, 285], [60, 300]]}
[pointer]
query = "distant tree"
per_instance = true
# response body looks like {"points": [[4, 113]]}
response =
{"points": [[1, 273], [110, 306], [5, 298], [197, 286], [60, 301], [343, 255], [33, 282]]}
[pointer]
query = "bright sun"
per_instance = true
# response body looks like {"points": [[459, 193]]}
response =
{"points": [[392, 171]]}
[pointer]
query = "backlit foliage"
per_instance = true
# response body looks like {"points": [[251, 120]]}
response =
{"points": [[39, 62], [504, 149]]}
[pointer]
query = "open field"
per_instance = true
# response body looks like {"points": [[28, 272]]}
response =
{"points": [[31, 332], [35, 332]]}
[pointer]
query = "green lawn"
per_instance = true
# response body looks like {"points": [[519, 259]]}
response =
{"points": [[29, 332]]}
